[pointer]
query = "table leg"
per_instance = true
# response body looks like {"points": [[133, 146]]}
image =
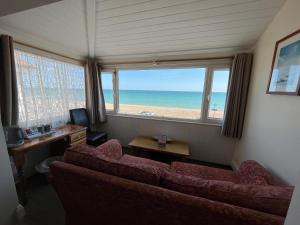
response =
{"points": [[22, 186], [19, 158]]}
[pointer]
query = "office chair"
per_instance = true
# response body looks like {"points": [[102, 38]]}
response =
{"points": [[80, 117]]}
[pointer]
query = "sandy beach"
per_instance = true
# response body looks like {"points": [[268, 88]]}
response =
{"points": [[159, 111]]}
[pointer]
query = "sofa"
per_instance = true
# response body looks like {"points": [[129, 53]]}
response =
{"points": [[104, 186]]}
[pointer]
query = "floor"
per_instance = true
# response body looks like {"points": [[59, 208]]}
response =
{"points": [[43, 207]]}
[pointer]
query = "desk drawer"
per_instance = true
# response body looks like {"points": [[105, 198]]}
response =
{"points": [[77, 136], [81, 141]]}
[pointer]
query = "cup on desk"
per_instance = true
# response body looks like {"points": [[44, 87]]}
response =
{"points": [[162, 140], [47, 128], [41, 129]]}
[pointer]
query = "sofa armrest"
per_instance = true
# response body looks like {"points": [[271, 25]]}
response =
{"points": [[111, 149], [252, 170]]}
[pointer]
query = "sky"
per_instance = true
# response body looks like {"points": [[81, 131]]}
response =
{"points": [[186, 79]]}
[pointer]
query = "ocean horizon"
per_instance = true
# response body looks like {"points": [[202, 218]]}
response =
{"points": [[176, 99]]}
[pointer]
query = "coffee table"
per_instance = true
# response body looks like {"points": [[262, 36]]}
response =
{"points": [[146, 143]]}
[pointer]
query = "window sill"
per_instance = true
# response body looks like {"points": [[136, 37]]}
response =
{"points": [[166, 119]]}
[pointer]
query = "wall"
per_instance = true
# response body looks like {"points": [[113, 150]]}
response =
{"points": [[13, 6], [205, 140], [8, 196], [293, 215], [271, 132]]}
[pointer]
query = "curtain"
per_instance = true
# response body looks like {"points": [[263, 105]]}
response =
{"points": [[8, 83], [47, 89], [94, 94], [237, 97]]}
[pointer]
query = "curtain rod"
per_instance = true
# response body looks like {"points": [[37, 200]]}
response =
{"points": [[167, 61], [50, 52]]}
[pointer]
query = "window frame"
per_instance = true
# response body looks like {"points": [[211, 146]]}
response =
{"points": [[209, 65], [115, 91], [210, 77]]}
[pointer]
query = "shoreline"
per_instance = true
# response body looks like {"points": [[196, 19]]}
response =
{"points": [[160, 111]]}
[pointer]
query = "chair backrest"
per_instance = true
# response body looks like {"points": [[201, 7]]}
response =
{"points": [[80, 117]]}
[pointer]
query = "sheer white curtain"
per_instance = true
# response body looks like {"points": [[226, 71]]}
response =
{"points": [[47, 89]]}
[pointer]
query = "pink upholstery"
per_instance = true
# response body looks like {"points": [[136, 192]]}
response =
{"points": [[95, 160], [269, 199], [204, 172], [91, 197], [251, 170], [254, 180], [111, 149], [102, 180], [142, 161]]}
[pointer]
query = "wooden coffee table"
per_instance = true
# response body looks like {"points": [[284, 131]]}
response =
{"points": [[145, 143]]}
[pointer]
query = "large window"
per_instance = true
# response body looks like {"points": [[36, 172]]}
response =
{"points": [[188, 93], [172, 93], [47, 89]]}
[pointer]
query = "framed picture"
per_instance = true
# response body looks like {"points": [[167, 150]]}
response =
{"points": [[285, 71]]}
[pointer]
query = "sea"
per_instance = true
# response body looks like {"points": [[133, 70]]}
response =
{"points": [[176, 99]]}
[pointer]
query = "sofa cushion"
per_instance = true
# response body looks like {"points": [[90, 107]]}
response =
{"points": [[94, 160], [111, 149], [204, 172], [250, 170], [269, 199], [142, 161]]}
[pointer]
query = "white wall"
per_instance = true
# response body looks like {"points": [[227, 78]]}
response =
{"points": [[205, 141], [8, 195], [293, 215], [13, 6], [271, 132]]}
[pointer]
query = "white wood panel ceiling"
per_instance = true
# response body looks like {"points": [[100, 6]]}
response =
{"points": [[132, 30], [135, 29]]}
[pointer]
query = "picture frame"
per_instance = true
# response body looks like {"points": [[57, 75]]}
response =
{"points": [[285, 71]]}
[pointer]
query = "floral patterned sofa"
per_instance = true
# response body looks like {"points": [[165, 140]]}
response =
{"points": [[103, 186]]}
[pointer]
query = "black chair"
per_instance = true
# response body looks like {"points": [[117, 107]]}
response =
{"points": [[80, 117]]}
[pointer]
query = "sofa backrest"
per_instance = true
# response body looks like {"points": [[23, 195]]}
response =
{"points": [[91, 197], [111, 149], [269, 199], [95, 160]]}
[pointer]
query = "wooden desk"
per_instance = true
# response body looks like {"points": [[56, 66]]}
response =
{"points": [[177, 148], [73, 134]]}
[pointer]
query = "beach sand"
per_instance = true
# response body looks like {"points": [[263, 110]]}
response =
{"points": [[168, 112]]}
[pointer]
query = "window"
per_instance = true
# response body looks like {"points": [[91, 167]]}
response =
{"points": [[108, 91], [191, 92], [47, 89], [218, 93], [171, 93]]}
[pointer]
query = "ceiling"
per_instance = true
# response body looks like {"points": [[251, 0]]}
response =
{"points": [[133, 30]]}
